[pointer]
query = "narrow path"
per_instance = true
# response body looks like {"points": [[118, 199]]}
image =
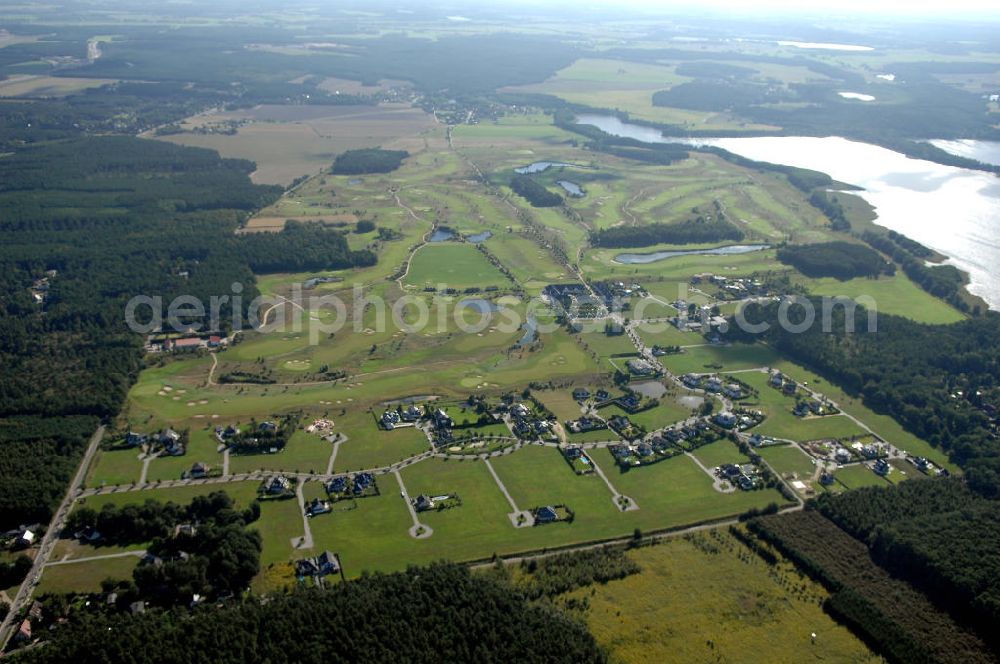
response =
{"points": [[122, 554], [145, 467], [519, 518], [211, 372], [225, 463], [717, 482], [721, 523], [49, 540], [333, 453], [621, 501], [306, 541], [417, 530]]}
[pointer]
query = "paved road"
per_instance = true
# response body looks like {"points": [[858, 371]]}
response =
{"points": [[49, 540], [306, 541]]}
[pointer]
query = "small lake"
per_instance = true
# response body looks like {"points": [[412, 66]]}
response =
{"points": [[652, 389], [731, 250], [480, 237], [572, 188], [825, 46], [955, 211], [539, 166], [480, 305], [857, 96], [441, 235], [530, 328]]}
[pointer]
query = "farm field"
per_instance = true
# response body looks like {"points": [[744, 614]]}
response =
{"points": [[710, 584], [627, 86], [290, 141], [85, 576]]}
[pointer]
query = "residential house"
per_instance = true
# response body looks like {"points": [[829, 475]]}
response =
{"points": [[25, 539], [277, 484], [713, 385], [337, 484], [442, 420], [133, 439], [581, 394], [268, 426], [545, 515], [390, 419], [640, 367], [23, 632], [411, 413], [881, 467], [423, 503], [317, 507], [199, 470], [733, 391], [725, 419]]}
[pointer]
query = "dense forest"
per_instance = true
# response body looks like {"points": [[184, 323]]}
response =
{"points": [[688, 231], [938, 535], [900, 622], [104, 219], [368, 160], [941, 382], [842, 260], [432, 614], [534, 192]]}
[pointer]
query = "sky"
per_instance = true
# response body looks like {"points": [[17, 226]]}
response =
{"points": [[902, 8]]}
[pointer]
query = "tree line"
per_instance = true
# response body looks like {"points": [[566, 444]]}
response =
{"points": [[439, 613], [689, 231], [838, 259]]}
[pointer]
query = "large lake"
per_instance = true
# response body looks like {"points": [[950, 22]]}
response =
{"points": [[953, 210]]}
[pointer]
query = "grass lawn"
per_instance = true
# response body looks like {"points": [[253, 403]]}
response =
{"points": [[304, 453], [242, 492], [280, 521], [368, 446], [666, 413], [720, 452], [561, 403], [676, 491], [707, 358], [115, 467], [781, 422], [455, 265], [859, 475], [893, 295], [85, 577], [710, 585], [665, 334], [788, 460], [883, 425], [202, 447]]}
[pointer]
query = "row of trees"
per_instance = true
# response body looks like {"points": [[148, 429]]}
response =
{"points": [[688, 231], [839, 259], [534, 192], [136, 523], [368, 160], [944, 281]]}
